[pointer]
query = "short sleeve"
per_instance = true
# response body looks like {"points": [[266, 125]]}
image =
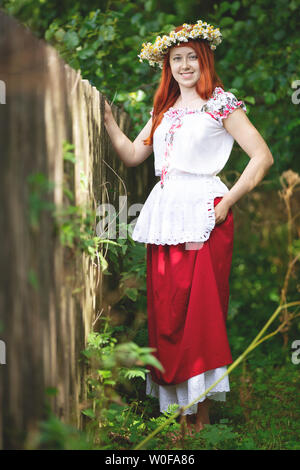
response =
{"points": [[224, 103]]}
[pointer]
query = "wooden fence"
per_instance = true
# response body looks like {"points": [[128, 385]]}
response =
{"points": [[48, 299]]}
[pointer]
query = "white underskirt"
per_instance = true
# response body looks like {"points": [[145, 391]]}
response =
{"points": [[188, 391]]}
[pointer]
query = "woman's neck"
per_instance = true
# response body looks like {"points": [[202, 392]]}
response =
{"points": [[187, 96]]}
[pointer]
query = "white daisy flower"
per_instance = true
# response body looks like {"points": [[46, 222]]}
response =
{"points": [[155, 52]]}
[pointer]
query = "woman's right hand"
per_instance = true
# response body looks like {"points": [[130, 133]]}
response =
{"points": [[107, 112]]}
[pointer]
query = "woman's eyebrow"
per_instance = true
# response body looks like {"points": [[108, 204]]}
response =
{"points": [[177, 53]]}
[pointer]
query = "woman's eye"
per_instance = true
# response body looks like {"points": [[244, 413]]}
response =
{"points": [[191, 57]]}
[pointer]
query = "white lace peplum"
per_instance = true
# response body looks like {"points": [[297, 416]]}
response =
{"points": [[183, 211]]}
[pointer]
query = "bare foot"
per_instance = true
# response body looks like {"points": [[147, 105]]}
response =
{"points": [[175, 436], [202, 416], [199, 426], [186, 422]]}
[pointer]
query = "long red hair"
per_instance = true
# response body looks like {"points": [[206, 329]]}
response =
{"points": [[168, 89]]}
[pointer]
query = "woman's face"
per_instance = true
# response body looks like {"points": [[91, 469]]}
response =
{"points": [[184, 66]]}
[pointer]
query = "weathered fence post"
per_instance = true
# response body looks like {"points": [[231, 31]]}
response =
{"points": [[48, 298]]}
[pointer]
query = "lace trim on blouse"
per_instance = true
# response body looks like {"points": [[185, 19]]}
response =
{"points": [[219, 106], [222, 104]]}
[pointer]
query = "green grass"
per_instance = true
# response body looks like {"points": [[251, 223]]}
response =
{"points": [[261, 412]]}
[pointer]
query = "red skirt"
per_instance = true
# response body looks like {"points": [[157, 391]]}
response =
{"points": [[187, 301]]}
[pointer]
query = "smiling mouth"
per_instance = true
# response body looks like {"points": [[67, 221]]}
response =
{"points": [[187, 73]]}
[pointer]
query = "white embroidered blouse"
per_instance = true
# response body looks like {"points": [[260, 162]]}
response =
{"points": [[190, 148]]}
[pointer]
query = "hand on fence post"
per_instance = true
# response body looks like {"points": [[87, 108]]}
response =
{"points": [[107, 112]]}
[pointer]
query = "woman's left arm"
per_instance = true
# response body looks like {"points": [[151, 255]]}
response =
{"points": [[261, 159]]}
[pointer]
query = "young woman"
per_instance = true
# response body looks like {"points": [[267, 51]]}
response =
{"points": [[187, 219]]}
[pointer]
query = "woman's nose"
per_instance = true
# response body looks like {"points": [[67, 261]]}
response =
{"points": [[186, 62]]}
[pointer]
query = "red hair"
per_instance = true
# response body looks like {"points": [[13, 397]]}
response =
{"points": [[168, 90]]}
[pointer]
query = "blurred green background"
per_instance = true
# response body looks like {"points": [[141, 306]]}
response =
{"points": [[259, 57]]}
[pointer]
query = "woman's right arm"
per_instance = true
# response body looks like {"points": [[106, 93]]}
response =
{"points": [[131, 153]]}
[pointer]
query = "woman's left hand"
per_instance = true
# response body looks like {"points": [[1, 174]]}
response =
{"points": [[221, 211]]}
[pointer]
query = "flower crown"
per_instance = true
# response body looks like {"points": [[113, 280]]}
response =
{"points": [[155, 52]]}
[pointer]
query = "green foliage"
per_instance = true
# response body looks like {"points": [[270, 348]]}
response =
{"points": [[261, 59], [53, 434], [74, 224], [258, 57], [39, 188], [259, 265], [215, 436], [118, 361], [244, 422]]}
